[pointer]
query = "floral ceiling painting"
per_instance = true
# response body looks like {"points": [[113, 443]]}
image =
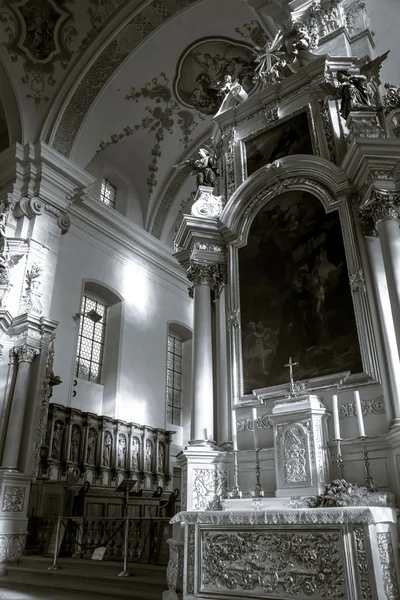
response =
{"points": [[203, 66]]}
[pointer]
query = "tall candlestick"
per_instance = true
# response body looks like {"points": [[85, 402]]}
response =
{"points": [[234, 431], [335, 410], [255, 427], [359, 414]]}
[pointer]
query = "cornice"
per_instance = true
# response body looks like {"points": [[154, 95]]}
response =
{"points": [[96, 224]]}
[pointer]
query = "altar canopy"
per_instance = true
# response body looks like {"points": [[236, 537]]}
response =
{"points": [[291, 259]]}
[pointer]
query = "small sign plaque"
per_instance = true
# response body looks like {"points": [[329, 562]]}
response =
{"points": [[99, 553]]}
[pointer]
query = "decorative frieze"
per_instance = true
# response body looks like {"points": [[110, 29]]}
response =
{"points": [[247, 424], [227, 563], [11, 546], [374, 406]]}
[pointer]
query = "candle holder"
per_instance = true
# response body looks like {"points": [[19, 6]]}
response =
{"points": [[339, 457], [369, 484], [235, 493], [258, 491]]}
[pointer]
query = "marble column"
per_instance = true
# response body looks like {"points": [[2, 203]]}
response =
{"points": [[205, 277], [383, 210], [222, 401], [390, 349], [23, 356]]}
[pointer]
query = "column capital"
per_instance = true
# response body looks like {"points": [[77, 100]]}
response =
{"points": [[212, 274], [383, 205], [24, 353]]}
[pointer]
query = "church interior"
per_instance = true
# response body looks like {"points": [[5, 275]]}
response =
{"points": [[199, 299]]}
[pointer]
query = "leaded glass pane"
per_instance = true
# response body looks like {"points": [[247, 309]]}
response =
{"points": [[174, 380], [108, 193], [91, 341]]}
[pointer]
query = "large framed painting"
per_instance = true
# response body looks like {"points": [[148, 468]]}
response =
{"points": [[294, 134], [295, 297]]}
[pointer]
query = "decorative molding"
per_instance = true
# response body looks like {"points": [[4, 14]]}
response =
{"points": [[206, 483], [190, 559], [233, 318], [328, 128], [272, 115], [208, 274], [376, 406], [362, 562], [382, 205], [11, 546], [388, 566], [13, 499], [247, 424], [24, 353], [357, 281]]}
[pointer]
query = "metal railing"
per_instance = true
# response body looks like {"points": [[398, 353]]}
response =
{"points": [[127, 539]]}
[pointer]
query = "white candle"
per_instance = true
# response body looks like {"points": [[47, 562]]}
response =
{"points": [[359, 414], [255, 427], [234, 431], [335, 410]]}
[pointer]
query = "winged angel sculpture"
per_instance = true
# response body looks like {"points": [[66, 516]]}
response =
{"points": [[356, 91], [205, 165]]}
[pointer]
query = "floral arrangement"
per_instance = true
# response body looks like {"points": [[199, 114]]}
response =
{"points": [[340, 493]]}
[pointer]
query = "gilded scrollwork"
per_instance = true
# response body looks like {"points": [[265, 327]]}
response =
{"points": [[207, 484], [295, 455], [11, 546], [299, 564], [13, 499], [190, 559], [388, 565], [362, 562], [382, 205]]}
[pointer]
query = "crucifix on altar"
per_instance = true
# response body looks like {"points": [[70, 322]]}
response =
{"points": [[291, 364]]}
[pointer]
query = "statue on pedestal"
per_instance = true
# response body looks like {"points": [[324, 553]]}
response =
{"points": [[204, 166]]}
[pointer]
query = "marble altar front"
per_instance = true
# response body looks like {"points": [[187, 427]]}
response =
{"points": [[348, 553]]}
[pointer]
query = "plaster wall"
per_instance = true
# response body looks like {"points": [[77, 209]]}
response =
{"points": [[147, 306], [385, 23]]}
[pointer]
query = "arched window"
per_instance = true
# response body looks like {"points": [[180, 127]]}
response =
{"points": [[98, 349], [178, 335], [91, 338]]}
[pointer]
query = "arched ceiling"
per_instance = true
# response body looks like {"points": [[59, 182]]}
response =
{"points": [[95, 80]]}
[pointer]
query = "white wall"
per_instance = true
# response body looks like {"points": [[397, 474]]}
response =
{"points": [[148, 306], [385, 23]]}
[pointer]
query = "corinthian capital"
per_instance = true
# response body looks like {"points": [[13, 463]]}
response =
{"points": [[209, 274], [24, 353], [382, 205]]}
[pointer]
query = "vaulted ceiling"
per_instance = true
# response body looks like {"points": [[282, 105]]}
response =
{"points": [[124, 86]]}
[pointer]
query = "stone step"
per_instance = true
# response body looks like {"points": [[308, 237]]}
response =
{"points": [[86, 578]]}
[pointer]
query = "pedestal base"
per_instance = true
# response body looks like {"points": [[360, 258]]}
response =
{"points": [[301, 451], [203, 479], [329, 553], [14, 496]]}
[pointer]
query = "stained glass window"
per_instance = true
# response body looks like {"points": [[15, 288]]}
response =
{"points": [[174, 380], [108, 193], [92, 329]]}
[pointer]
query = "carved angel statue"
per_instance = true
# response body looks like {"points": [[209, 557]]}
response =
{"points": [[356, 91], [204, 166], [232, 91]]}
